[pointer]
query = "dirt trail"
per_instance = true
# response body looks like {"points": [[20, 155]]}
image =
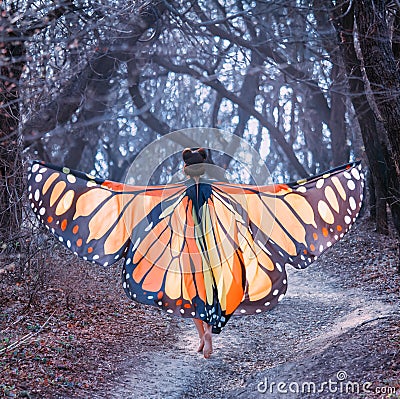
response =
{"points": [[315, 333]]}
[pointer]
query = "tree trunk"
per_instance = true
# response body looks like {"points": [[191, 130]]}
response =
{"points": [[340, 148], [248, 93], [380, 161], [377, 204], [336, 121], [384, 78], [12, 52]]}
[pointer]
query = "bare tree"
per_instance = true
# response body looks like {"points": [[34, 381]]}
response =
{"points": [[16, 28], [372, 68], [98, 82]]}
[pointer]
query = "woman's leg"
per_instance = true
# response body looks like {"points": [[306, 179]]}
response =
{"points": [[200, 329], [207, 337]]}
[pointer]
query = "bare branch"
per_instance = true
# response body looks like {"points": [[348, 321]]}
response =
{"points": [[266, 51], [52, 15], [102, 66], [145, 115], [275, 133]]}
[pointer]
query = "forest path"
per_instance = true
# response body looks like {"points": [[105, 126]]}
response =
{"points": [[319, 330]]}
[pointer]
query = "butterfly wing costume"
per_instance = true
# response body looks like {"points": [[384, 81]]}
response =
{"points": [[201, 248]]}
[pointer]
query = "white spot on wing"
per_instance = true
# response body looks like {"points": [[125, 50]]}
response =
{"points": [[71, 178], [355, 173], [351, 185], [320, 183], [352, 202]]}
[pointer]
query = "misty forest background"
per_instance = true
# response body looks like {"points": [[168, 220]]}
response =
{"points": [[309, 84]]}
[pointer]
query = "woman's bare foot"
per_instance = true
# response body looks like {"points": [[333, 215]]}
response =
{"points": [[201, 345], [207, 347], [200, 329], [205, 332]]}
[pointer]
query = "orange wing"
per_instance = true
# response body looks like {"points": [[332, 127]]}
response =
{"points": [[290, 225], [175, 258], [93, 217], [201, 250]]}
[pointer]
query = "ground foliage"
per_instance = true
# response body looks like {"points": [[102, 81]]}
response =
{"points": [[67, 329]]}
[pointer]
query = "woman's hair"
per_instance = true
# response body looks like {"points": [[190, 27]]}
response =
{"points": [[194, 161]]}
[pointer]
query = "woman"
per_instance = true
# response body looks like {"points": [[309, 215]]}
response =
{"points": [[199, 249]]}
